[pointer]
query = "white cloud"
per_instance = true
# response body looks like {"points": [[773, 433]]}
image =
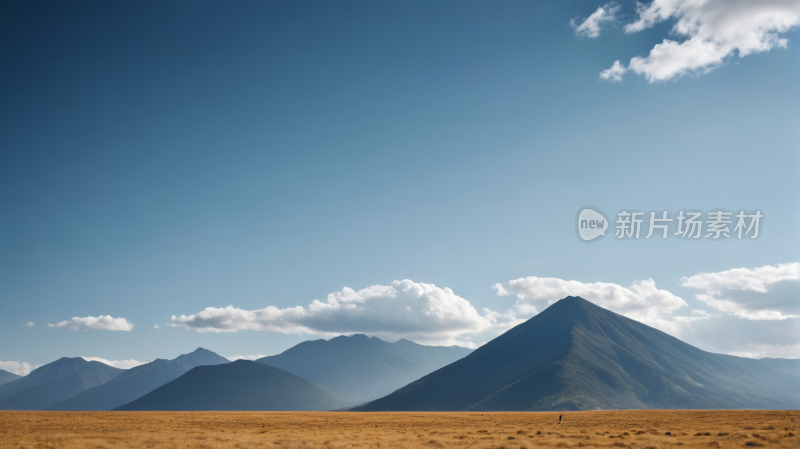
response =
{"points": [[18, 368], [30, 324], [642, 301], [156, 326], [103, 322], [419, 312], [614, 73], [710, 31], [756, 279], [728, 334], [246, 357], [505, 321], [121, 364], [765, 293], [592, 25]]}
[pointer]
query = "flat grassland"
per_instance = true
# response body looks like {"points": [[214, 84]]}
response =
{"points": [[640, 429]]}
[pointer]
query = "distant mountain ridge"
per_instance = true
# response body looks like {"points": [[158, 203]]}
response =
{"points": [[788, 366], [361, 368], [240, 385], [6, 377], [577, 356], [138, 381], [53, 383]]}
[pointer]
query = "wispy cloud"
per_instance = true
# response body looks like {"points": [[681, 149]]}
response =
{"points": [[102, 322], [592, 25], [30, 324]]}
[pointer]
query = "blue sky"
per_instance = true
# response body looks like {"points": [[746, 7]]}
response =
{"points": [[158, 159]]}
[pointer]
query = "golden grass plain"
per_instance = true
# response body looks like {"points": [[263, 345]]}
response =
{"points": [[636, 429]]}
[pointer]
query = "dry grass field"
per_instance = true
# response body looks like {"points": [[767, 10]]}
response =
{"points": [[328, 430]]}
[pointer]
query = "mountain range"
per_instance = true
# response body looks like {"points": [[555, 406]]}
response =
{"points": [[53, 383], [138, 381], [360, 368], [349, 370], [573, 355], [577, 356], [240, 385]]}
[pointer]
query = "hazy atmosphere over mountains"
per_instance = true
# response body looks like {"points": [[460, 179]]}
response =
{"points": [[332, 374], [360, 368]]}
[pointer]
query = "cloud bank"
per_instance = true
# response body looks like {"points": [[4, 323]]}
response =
{"points": [[102, 322], [592, 25], [729, 334], [420, 312], [708, 32], [432, 315], [121, 364], [18, 368], [767, 293]]}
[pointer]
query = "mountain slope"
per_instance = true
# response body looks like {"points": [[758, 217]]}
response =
{"points": [[240, 385], [361, 368], [138, 381], [6, 377], [57, 381], [578, 356]]}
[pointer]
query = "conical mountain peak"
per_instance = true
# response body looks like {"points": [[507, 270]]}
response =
{"points": [[575, 355]]}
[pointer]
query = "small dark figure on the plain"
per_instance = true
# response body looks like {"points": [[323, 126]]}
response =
{"points": [[559, 419]]}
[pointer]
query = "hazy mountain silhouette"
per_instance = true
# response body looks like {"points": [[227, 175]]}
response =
{"points": [[53, 383], [138, 381], [361, 368], [239, 385], [787, 366], [578, 356], [6, 377]]}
